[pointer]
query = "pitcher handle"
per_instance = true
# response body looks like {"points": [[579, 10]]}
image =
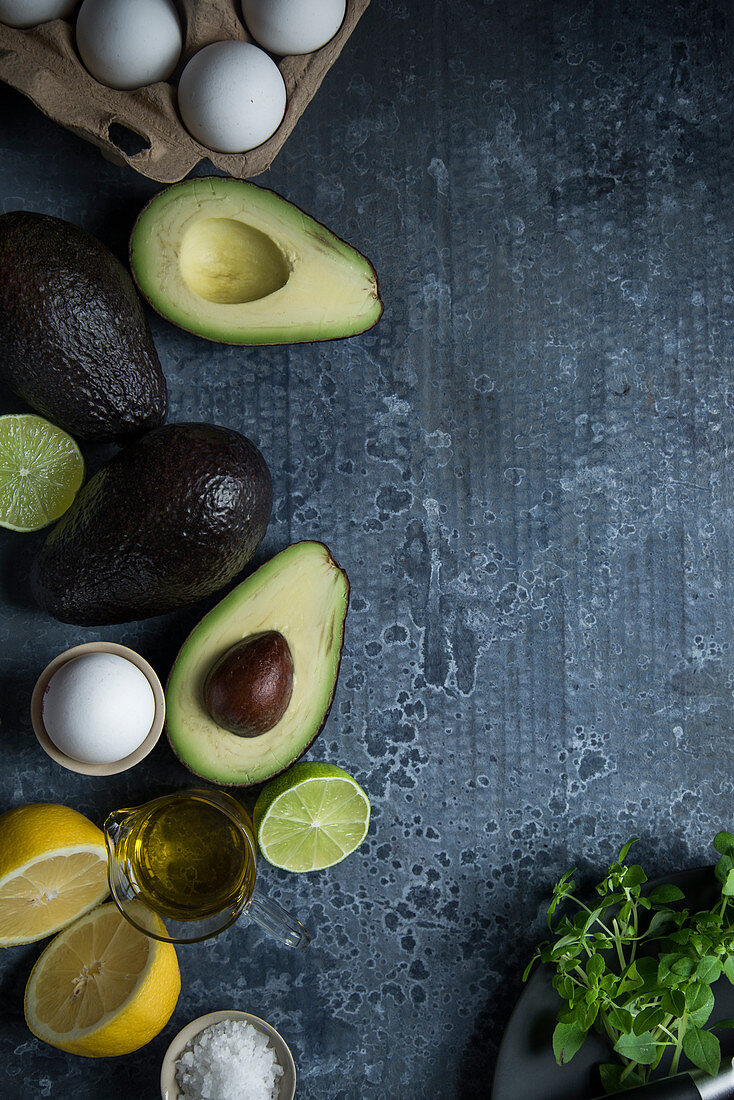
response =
{"points": [[277, 921]]}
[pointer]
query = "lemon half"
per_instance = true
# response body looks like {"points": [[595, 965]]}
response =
{"points": [[102, 988], [53, 868]]}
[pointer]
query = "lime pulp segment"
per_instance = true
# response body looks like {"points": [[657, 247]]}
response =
{"points": [[41, 470], [314, 824]]}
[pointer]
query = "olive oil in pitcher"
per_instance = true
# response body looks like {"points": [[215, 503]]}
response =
{"points": [[182, 869], [188, 859]]}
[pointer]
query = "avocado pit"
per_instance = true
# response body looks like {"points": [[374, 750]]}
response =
{"points": [[229, 262], [247, 691]]}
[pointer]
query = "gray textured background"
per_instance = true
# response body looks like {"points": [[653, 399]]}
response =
{"points": [[524, 471]]}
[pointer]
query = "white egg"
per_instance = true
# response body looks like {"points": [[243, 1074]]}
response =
{"points": [[29, 13], [231, 96], [293, 26], [129, 43], [98, 708]]}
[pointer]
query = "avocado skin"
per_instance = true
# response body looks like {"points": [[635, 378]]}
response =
{"points": [[169, 520], [74, 340]]}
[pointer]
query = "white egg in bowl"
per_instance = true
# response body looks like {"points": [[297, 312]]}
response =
{"points": [[231, 96], [98, 708]]}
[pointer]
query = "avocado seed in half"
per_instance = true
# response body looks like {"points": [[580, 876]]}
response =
{"points": [[249, 688]]}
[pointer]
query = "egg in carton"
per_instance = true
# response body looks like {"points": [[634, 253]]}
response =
{"points": [[43, 63]]}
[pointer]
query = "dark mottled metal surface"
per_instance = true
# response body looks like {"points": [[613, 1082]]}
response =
{"points": [[524, 469]]}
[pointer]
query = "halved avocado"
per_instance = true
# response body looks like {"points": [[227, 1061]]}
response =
{"points": [[238, 264], [303, 594]]}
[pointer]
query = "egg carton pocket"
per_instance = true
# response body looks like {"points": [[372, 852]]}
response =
{"points": [[142, 128]]}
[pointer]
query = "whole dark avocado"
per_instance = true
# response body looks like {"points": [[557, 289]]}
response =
{"points": [[169, 520], [74, 340]]}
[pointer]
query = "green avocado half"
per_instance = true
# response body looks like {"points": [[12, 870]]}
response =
{"points": [[303, 594], [238, 264]]}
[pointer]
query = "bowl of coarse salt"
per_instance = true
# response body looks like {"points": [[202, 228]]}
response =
{"points": [[231, 1055]]}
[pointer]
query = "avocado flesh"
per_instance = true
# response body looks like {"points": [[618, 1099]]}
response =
{"points": [[74, 339], [303, 594], [238, 264]]}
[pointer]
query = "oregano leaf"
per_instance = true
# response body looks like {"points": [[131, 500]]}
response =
{"points": [[699, 1002], [620, 1018], [708, 970], [596, 966], [647, 1019], [724, 843], [673, 1002], [626, 849], [528, 969], [567, 1040], [683, 966], [634, 876], [723, 867], [666, 894], [646, 967], [610, 1074], [639, 1048], [702, 1048]]}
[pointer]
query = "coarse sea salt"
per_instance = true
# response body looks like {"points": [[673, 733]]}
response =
{"points": [[230, 1060]]}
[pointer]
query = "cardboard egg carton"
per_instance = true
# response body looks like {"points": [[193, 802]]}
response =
{"points": [[43, 64]]}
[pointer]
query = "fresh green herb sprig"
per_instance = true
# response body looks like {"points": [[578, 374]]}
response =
{"points": [[638, 968]]}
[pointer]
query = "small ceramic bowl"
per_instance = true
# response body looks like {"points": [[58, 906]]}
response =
{"points": [[78, 765], [169, 1087]]}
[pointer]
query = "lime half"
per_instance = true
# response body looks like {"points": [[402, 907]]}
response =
{"points": [[311, 817], [41, 470]]}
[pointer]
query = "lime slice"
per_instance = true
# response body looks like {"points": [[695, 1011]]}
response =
{"points": [[41, 470], [311, 817]]}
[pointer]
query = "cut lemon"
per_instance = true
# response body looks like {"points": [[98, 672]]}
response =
{"points": [[311, 817], [102, 988], [53, 868], [41, 470]]}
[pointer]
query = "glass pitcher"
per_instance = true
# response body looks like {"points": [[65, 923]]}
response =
{"points": [[182, 868]]}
